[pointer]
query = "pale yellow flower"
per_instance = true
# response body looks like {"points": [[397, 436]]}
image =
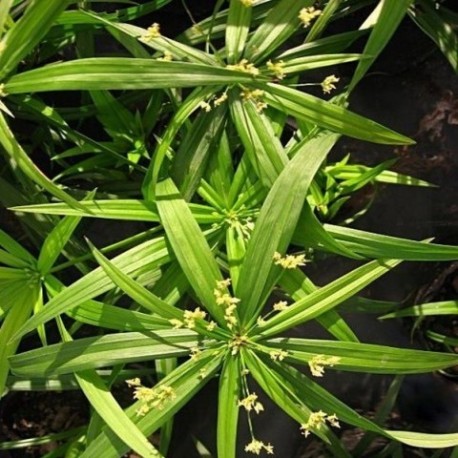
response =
{"points": [[289, 261], [177, 324], [247, 3], [256, 447], [151, 398], [277, 68], [251, 403], [307, 15], [167, 57], [205, 106], [152, 32], [317, 420], [278, 355], [244, 66], [220, 100], [190, 317], [280, 306], [319, 362], [328, 83]]}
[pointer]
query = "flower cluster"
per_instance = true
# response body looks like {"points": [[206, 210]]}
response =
{"points": [[317, 420], [307, 15], [254, 95], [256, 447], [251, 403], [278, 355], [244, 66], [206, 105], [328, 83], [154, 31], [277, 68], [167, 57], [289, 261], [152, 398], [229, 303], [319, 362], [2, 90], [247, 3], [189, 319], [280, 306], [236, 343]]}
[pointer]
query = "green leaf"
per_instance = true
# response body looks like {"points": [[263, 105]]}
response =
{"points": [[276, 223], [228, 408], [186, 381], [190, 247], [122, 73], [326, 297], [102, 351], [151, 253], [20, 159], [429, 309], [137, 292], [361, 357], [27, 32], [301, 64], [320, 399], [106, 406], [237, 28], [281, 22], [262, 146], [24, 301], [388, 18], [374, 245], [119, 209], [186, 108], [306, 107], [288, 398], [298, 286], [175, 48], [111, 317], [16, 249], [192, 157], [55, 242], [438, 28]]}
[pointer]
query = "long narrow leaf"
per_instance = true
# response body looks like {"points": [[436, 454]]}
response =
{"points": [[190, 247], [107, 350], [276, 223], [330, 116], [327, 297], [122, 73]]}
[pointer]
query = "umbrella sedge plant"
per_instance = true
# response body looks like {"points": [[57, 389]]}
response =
{"points": [[212, 140]]}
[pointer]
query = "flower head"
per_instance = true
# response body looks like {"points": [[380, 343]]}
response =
{"points": [[319, 362], [205, 106], [277, 68], [244, 66], [190, 317], [328, 83], [251, 403], [318, 419], [154, 31], [289, 261], [247, 3], [278, 355], [256, 447], [307, 15], [280, 306], [151, 398]]}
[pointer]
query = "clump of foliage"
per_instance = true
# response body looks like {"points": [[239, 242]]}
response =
{"points": [[212, 141]]}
